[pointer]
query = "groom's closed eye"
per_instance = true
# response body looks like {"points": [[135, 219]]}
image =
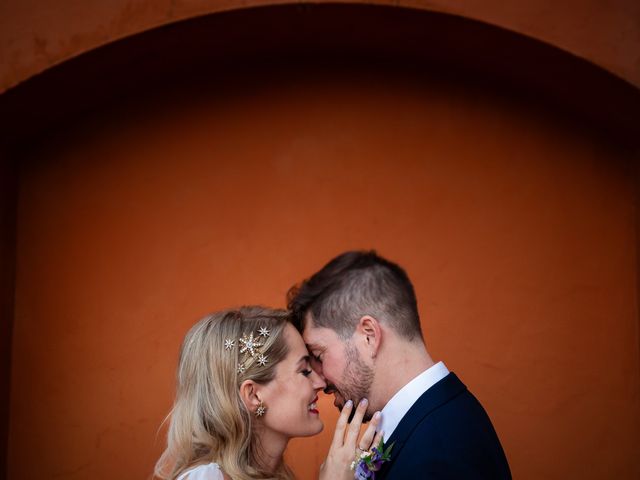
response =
{"points": [[316, 362], [315, 355]]}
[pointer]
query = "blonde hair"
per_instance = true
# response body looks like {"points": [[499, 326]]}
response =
{"points": [[209, 421]]}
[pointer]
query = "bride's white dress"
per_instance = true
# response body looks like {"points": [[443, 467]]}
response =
{"points": [[210, 471]]}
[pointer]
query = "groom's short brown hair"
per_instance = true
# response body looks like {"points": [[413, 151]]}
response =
{"points": [[354, 284]]}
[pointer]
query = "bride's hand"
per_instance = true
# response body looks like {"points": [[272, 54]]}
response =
{"points": [[343, 448]]}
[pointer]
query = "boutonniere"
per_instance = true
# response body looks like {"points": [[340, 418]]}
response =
{"points": [[368, 463]]}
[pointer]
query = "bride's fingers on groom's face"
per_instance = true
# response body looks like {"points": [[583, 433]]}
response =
{"points": [[356, 423], [341, 425], [367, 440]]}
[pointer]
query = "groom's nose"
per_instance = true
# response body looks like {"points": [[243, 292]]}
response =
{"points": [[318, 381]]}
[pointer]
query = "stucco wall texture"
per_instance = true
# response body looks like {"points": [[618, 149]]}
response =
{"points": [[518, 232], [36, 34], [518, 229]]}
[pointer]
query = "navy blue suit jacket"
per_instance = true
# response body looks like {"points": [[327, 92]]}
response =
{"points": [[446, 434]]}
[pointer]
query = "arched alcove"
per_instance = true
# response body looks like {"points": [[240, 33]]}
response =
{"points": [[218, 160], [37, 35]]}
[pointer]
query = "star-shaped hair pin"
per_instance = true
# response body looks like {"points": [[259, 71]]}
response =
{"points": [[241, 368], [249, 344], [262, 360], [229, 344], [263, 332]]}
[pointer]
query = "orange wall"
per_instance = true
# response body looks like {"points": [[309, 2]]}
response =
{"points": [[37, 34], [518, 232]]}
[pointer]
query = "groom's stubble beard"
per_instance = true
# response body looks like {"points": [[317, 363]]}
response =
{"points": [[356, 380]]}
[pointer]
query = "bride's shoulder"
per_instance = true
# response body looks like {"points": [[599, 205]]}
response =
{"points": [[210, 471]]}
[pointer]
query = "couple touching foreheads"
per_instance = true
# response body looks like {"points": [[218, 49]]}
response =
{"points": [[249, 379]]}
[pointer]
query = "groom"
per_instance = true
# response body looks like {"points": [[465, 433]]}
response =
{"points": [[359, 318]]}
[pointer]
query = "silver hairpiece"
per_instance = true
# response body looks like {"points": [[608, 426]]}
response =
{"points": [[250, 347]]}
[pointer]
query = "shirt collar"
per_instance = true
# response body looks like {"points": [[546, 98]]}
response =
{"points": [[402, 401]]}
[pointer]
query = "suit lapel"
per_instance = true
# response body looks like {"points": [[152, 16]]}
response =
{"points": [[437, 395]]}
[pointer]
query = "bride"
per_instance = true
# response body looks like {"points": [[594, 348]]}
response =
{"points": [[244, 389]]}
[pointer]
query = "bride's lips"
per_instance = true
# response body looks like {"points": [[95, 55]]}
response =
{"points": [[313, 405]]}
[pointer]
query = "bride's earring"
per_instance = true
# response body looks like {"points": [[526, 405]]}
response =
{"points": [[261, 410]]}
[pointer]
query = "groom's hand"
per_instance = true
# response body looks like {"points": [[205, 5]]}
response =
{"points": [[345, 447]]}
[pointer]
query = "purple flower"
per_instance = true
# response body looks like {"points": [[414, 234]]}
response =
{"points": [[367, 465], [362, 472]]}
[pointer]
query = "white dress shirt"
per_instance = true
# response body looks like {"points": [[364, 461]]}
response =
{"points": [[402, 401]]}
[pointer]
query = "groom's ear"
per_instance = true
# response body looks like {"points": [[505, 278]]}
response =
{"points": [[371, 334], [250, 394]]}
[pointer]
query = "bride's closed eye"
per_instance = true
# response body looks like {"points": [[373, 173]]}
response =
{"points": [[306, 367]]}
